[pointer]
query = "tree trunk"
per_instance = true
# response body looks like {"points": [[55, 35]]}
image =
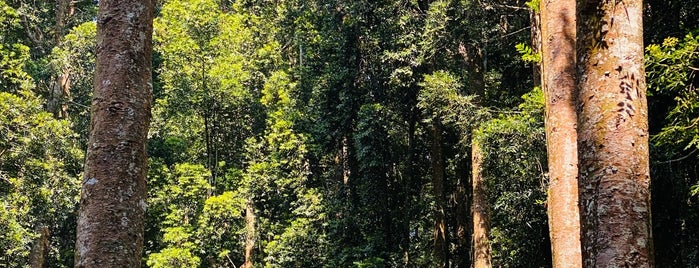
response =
{"points": [[60, 92], [113, 198], [249, 234], [535, 21], [462, 226], [440, 249], [613, 135], [481, 217], [40, 249], [558, 61]]}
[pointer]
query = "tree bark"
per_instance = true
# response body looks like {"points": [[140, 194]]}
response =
{"points": [[613, 135], [536, 32], [461, 258], [481, 216], [249, 234], [558, 62], [40, 249], [440, 249], [113, 198]]}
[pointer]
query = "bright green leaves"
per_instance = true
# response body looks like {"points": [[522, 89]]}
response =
{"points": [[527, 53], [207, 100], [173, 257], [514, 170], [440, 100], [40, 164], [193, 223], [288, 207], [672, 70], [14, 55], [435, 30]]}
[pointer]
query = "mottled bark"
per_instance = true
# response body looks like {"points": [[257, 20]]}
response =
{"points": [[613, 135], [535, 36], [345, 159], [440, 248], [40, 249], [481, 216], [249, 234], [462, 226], [112, 202], [558, 64], [60, 92]]}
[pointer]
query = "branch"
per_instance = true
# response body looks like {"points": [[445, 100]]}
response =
{"points": [[681, 158], [511, 7]]}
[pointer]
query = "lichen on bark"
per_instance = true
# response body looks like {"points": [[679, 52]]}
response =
{"points": [[112, 202], [613, 135]]}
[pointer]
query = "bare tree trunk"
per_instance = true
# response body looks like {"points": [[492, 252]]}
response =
{"points": [[40, 249], [440, 249], [613, 135], [462, 226], [558, 61], [113, 198], [481, 216], [249, 234], [535, 21]]}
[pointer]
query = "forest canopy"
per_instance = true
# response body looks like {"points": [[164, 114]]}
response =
{"points": [[329, 133]]}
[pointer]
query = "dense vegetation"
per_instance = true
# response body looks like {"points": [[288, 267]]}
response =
{"points": [[325, 133]]}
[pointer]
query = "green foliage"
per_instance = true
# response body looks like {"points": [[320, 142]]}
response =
{"points": [[39, 180], [205, 101], [173, 258], [75, 56], [514, 170], [441, 101], [672, 69], [316, 114], [287, 205], [14, 55], [534, 5], [197, 228], [527, 53]]}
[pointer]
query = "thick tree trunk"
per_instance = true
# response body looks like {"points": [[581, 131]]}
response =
{"points": [[613, 135], [440, 249], [481, 216], [249, 234], [558, 61], [113, 198]]}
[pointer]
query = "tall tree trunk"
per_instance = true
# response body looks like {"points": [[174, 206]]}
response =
{"points": [[462, 225], [481, 214], [558, 61], [40, 249], [613, 135], [113, 198], [249, 234], [536, 32], [440, 249]]}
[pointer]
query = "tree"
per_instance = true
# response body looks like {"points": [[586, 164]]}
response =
{"points": [[113, 198], [613, 135], [558, 56], [40, 162], [481, 214], [674, 115]]}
